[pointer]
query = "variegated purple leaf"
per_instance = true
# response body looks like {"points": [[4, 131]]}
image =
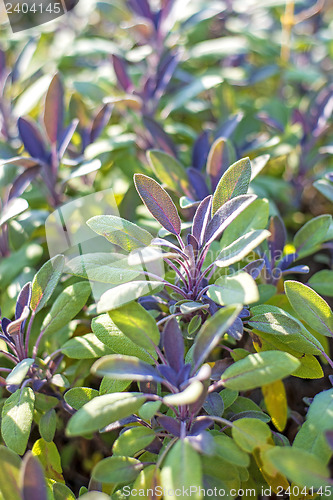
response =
{"points": [[201, 219], [100, 121], [221, 155], [15, 327], [23, 181], [32, 139], [173, 344], [168, 374], [66, 137], [200, 151], [125, 368], [33, 481], [203, 443], [198, 182], [225, 215], [158, 203], [277, 240], [120, 70], [158, 138], [54, 110], [23, 300], [170, 425]]}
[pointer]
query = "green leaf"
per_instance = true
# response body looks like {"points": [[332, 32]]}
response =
{"points": [[102, 411], [104, 268], [66, 306], [62, 492], [310, 439], [241, 247], [254, 217], [86, 347], [137, 324], [322, 282], [149, 409], [298, 466], [325, 187], [45, 281], [48, 425], [108, 333], [310, 306], [16, 420], [17, 375], [259, 369], [182, 469], [14, 207], [109, 385], [48, 455], [120, 231], [27, 256], [189, 395], [288, 330], [122, 294], [211, 332], [234, 182], [250, 433], [169, 171], [238, 289], [125, 368], [132, 441], [117, 470], [226, 448], [79, 396], [312, 234], [320, 412], [9, 474]]}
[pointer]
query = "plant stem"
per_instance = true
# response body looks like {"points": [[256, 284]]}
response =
{"points": [[27, 337]]}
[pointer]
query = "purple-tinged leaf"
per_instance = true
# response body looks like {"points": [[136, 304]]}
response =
{"points": [[100, 121], [254, 268], [200, 151], [169, 172], [165, 243], [158, 138], [203, 443], [164, 74], [299, 117], [173, 344], [214, 404], [236, 330], [141, 7], [14, 328], [32, 139], [225, 215], [191, 240], [170, 425], [201, 423], [234, 182], [158, 203], [125, 368], [23, 300], [120, 70], [23, 61], [220, 156], [4, 324], [201, 219], [229, 126], [264, 117], [23, 181], [54, 110], [66, 137], [34, 485], [184, 374], [287, 260], [297, 270], [323, 111], [198, 182], [2, 64], [277, 240], [168, 373]]}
